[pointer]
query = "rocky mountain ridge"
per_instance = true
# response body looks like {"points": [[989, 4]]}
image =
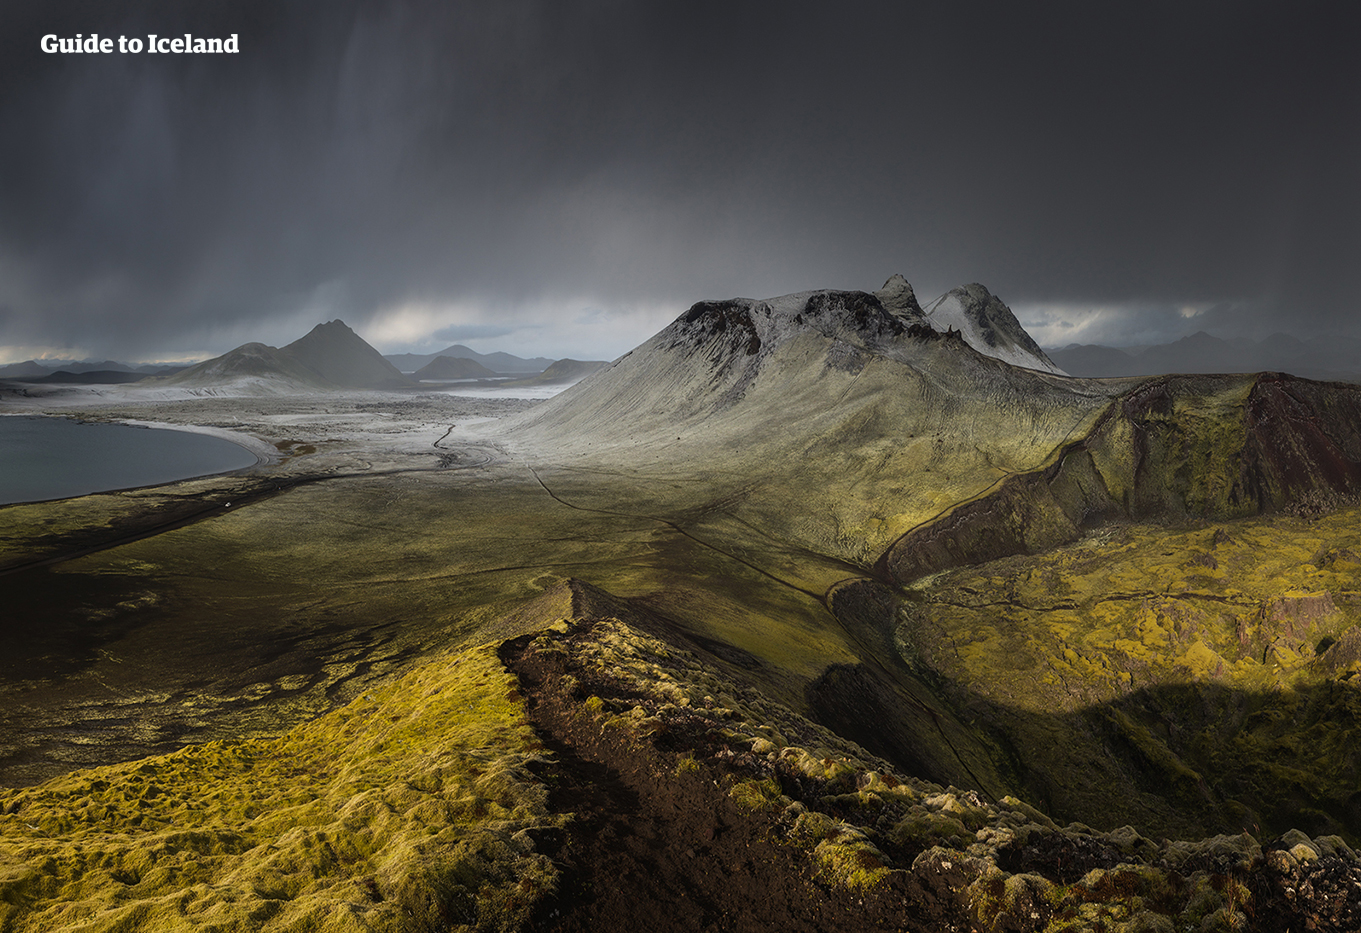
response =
{"points": [[875, 320]]}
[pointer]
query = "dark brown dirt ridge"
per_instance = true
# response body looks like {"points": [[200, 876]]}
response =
{"points": [[699, 805], [659, 842]]}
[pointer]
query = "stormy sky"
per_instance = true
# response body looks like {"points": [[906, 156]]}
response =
{"points": [[559, 178]]}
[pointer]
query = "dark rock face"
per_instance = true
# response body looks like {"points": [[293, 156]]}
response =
{"points": [[859, 312], [1304, 438], [1322, 894], [747, 326], [731, 319], [898, 299]]}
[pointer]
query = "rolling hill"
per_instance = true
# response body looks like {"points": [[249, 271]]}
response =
{"points": [[497, 362], [449, 367]]}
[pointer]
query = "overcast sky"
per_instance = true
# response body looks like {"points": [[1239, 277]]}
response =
{"points": [[562, 179]]}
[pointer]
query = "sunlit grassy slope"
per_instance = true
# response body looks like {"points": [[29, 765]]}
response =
{"points": [[406, 807]]}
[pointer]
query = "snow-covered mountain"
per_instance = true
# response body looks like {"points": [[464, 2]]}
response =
{"points": [[736, 368], [987, 325]]}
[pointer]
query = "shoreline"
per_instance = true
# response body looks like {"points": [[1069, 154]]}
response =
{"points": [[264, 453]]}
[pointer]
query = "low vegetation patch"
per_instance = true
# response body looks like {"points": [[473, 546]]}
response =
{"points": [[1192, 680], [408, 809]]}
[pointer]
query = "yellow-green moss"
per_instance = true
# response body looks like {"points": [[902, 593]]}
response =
{"points": [[756, 795], [1192, 650], [849, 859], [408, 802]]}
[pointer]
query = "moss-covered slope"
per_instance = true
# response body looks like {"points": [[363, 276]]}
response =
{"points": [[1189, 679], [725, 810], [408, 809]]}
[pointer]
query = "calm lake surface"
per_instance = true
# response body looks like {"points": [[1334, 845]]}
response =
{"points": [[53, 458]]}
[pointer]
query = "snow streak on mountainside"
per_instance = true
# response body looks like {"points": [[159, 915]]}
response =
{"points": [[988, 326]]}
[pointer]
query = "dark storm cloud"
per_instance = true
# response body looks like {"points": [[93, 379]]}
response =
{"points": [[354, 158]]}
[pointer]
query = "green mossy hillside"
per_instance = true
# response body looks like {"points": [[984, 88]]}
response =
{"points": [[406, 809], [1188, 680], [1169, 449]]}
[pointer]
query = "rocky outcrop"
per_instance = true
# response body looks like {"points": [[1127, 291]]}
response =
{"points": [[900, 300], [723, 808]]}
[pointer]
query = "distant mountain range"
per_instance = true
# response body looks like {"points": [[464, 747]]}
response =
{"points": [[68, 370], [1326, 358], [330, 356], [255, 359], [505, 363], [562, 372]]}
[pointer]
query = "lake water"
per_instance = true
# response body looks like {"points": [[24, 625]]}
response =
{"points": [[53, 458]]}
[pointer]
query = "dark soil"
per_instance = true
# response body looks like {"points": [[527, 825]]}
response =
{"points": [[654, 849], [1323, 895]]}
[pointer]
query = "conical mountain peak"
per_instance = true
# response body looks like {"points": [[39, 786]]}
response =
{"points": [[341, 357], [330, 356]]}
